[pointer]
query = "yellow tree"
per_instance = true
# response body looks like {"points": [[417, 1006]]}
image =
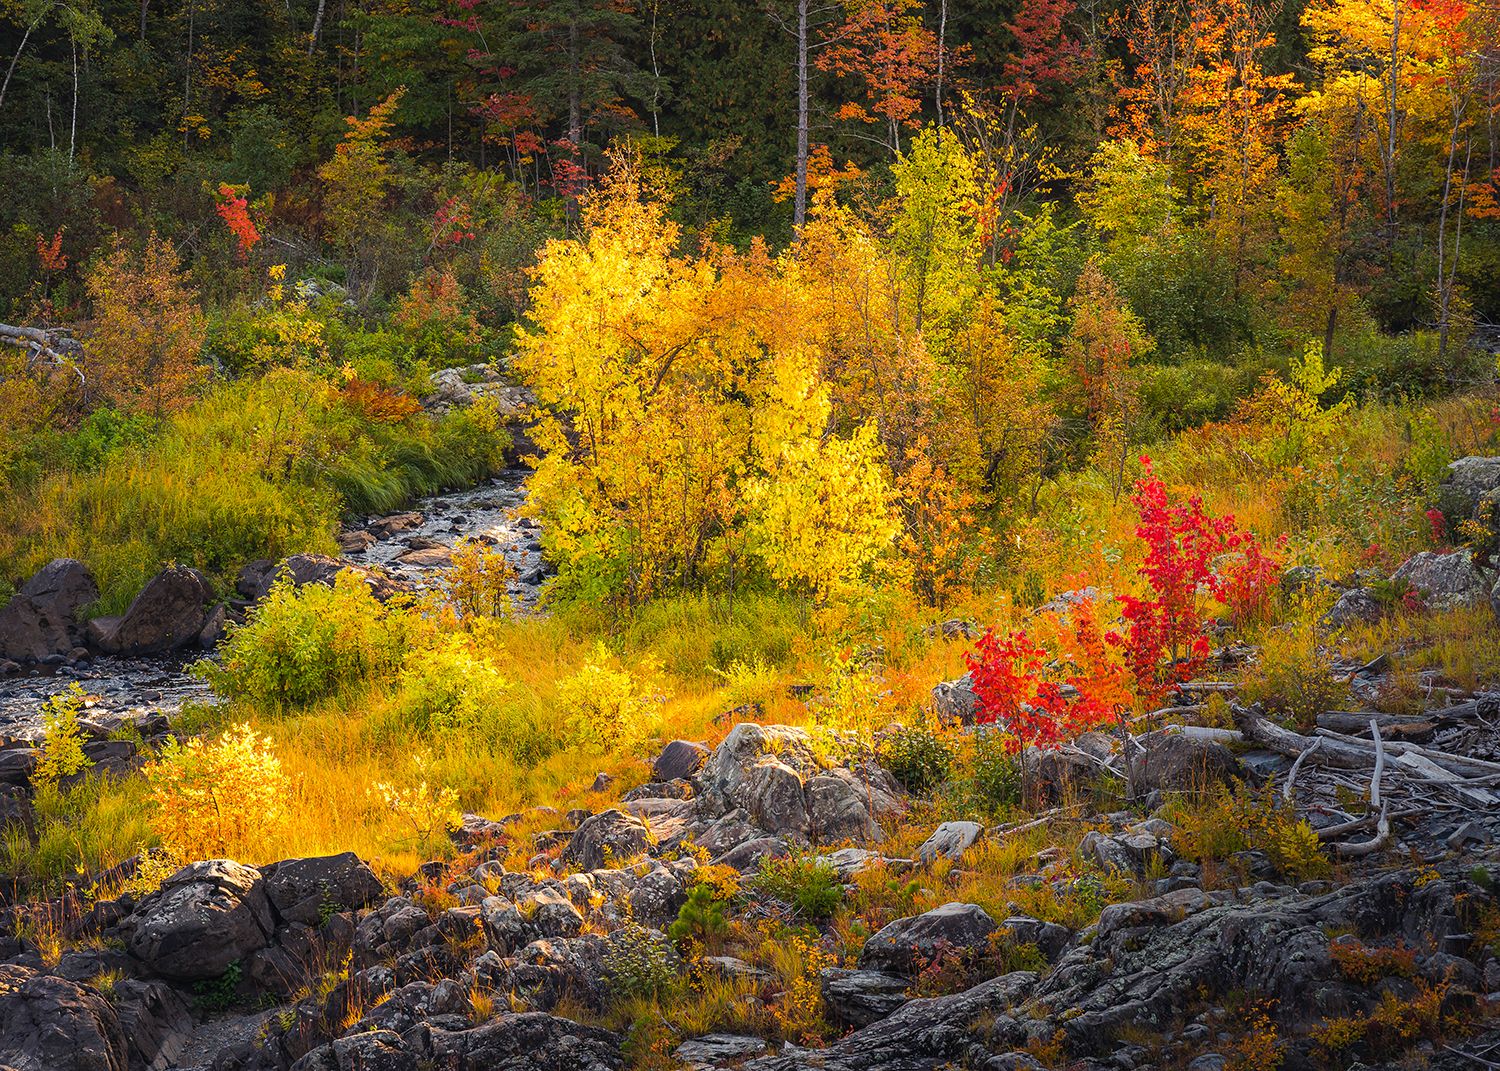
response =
{"points": [[147, 332], [689, 420], [357, 181]]}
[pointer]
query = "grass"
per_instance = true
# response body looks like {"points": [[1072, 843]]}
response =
{"points": [[709, 654], [256, 468]]}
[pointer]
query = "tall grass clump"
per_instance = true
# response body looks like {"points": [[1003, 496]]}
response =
{"points": [[257, 468]]}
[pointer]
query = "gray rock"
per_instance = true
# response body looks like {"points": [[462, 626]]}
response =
{"points": [[907, 945], [205, 917], [1355, 606], [168, 613], [715, 1050], [45, 616], [679, 759], [1445, 581], [955, 700], [775, 799], [156, 1021], [861, 997], [921, 1035], [1470, 481], [950, 840], [550, 912], [307, 890], [608, 838], [528, 1042], [1049, 938], [1174, 761], [51, 1024]]}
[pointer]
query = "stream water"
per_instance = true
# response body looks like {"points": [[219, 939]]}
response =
{"points": [[126, 687]]}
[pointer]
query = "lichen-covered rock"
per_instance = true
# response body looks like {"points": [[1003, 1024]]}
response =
{"points": [[950, 840], [1355, 606], [907, 945], [605, 839], [1444, 581], [860, 997], [51, 1024], [205, 917], [1176, 761]]}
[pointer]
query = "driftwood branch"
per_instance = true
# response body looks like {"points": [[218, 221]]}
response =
{"points": [[1291, 777], [43, 346]]}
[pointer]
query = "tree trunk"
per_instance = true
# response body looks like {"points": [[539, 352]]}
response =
{"points": [[4, 86], [799, 205], [317, 27], [73, 122], [937, 94], [1393, 114], [144, 5], [187, 80], [575, 106]]}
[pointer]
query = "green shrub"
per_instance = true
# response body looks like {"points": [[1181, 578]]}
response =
{"points": [[609, 709], [448, 689], [639, 963], [994, 772], [305, 644], [919, 759], [701, 917], [809, 885]]}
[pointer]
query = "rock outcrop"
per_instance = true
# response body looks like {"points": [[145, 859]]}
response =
{"points": [[169, 613], [45, 618]]}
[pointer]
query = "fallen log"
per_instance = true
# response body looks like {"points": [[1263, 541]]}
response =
{"points": [[1351, 722]]}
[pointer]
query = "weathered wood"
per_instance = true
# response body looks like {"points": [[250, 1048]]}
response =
{"points": [[1345, 721]]}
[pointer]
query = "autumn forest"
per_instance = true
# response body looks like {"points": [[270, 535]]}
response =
{"points": [[656, 535]]}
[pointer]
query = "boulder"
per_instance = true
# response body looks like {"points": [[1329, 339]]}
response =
{"points": [[1471, 483], [530, 1041], [955, 700], [1355, 606], [394, 524], [712, 1051], [205, 917], [858, 998], [679, 759], [309, 890], [155, 1020], [1176, 761], [839, 809], [606, 839], [1445, 581], [774, 798], [920, 1035], [907, 945], [728, 773], [169, 613], [52, 1024], [1050, 939], [950, 840], [256, 579], [45, 616]]}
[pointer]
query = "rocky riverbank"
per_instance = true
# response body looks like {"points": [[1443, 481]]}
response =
{"points": [[45, 642]]}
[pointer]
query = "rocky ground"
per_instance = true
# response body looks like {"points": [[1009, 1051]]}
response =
{"points": [[521, 954], [1401, 951], [175, 620]]}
